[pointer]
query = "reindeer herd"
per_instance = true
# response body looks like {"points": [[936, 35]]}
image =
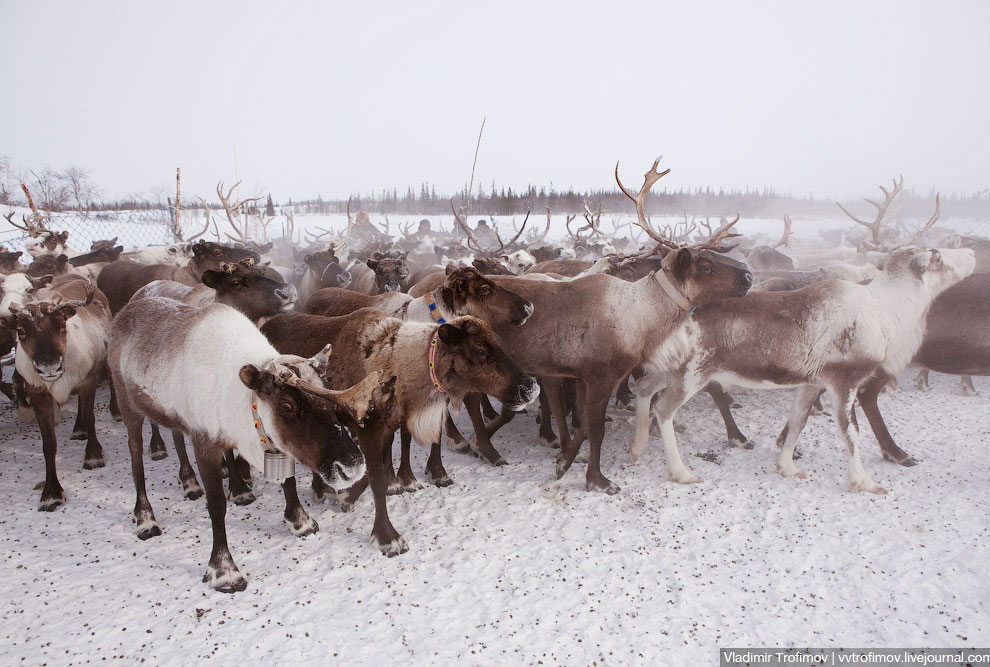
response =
{"points": [[318, 352]]}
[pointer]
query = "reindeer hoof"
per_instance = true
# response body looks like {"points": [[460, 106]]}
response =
{"points": [[441, 481], [601, 484], [909, 462], [742, 444], [78, 435], [94, 463], [159, 455], [393, 548], [869, 486], [685, 477], [50, 504], [148, 530], [394, 488], [229, 582], [552, 444], [791, 471], [243, 498], [303, 526], [191, 490], [460, 446]]}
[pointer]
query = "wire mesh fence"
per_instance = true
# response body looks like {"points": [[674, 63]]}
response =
{"points": [[130, 228]]}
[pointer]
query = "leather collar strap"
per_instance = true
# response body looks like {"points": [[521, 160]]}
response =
{"points": [[263, 436], [432, 363], [675, 294], [431, 303]]}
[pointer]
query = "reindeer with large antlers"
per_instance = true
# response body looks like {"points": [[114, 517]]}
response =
{"points": [[876, 226], [235, 211], [41, 240]]}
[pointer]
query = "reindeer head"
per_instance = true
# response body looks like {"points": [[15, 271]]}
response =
{"points": [[209, 255], [518, 262], [466, 292], [10, 261], [46, 243], [307, 420], [935, 269], [704, 275], [250, 291], [390, 270], [42, 333], [474, 360], [45, 264], [326, 267]]}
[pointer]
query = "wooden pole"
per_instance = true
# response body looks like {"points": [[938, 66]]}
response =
{"points": [[34, 209], [178, 226]]}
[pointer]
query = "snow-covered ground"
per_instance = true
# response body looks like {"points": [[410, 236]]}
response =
{"points": [[509, 565]]}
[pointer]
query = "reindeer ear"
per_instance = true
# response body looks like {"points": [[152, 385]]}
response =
{"points": [[63, 237], [16, 255], [38, 283], [450, 334], [256, 379], [199, 248], [320, 360], [8, 321], [211, 278], [372, 263]]}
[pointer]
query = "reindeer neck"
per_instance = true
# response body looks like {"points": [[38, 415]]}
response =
{"points": [[431, 307]]}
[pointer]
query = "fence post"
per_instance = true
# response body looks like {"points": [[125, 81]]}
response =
{"points": [[177, 231]]}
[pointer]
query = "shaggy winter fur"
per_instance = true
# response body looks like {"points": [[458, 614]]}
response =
{"points": [[830, 336], [177, 255]]}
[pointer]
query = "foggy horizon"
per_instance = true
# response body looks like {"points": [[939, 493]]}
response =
{"points": [[829, 101]]}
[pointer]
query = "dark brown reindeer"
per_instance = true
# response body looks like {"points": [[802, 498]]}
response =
{"points": [[323, 269], [432, 363], [628, 326], [208, 372], [61, 346], [121, 279]]}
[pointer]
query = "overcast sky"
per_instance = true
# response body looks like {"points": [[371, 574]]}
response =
{"points": [[339, 97]]}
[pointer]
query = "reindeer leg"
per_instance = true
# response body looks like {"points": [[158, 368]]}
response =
{"points": [[455, 440], [52, 495], [79, 426], [645, 389], [966, 387], [801, 406], [570, 389], [624, 396], [93, 458], [483, 444], [547, 437], [435, 472], [240, 490], [868, 394], [595, 403], [677, 392], [487, 409], [859, 480], [296, 518], [723, 403], [407, 479], [392, 483], [190, 485], [383, 532], [157, 445], [221, 573], [568, 448], [113, 407], [921, 381]]}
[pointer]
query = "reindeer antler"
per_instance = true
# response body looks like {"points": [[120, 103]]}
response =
{"points": [[502, 245], [472, 241], [877, 224], [785, 237], [651, 177], [928, 225], [714, 242], [31, 225], [231, 210]]}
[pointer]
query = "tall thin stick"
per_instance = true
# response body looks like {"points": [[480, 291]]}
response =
{"points": [[178, 225], [470, 192]]}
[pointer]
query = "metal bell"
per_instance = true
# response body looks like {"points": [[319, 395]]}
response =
{"points": [[279, 466]]}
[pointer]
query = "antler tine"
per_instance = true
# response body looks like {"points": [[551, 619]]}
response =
{"points": [[313, 238], [715, 241], [928, 225], [27, 227], [888, 197], [502, 244], [350, 227], [785, 237], [651, 177], [472, 241], [231, 210]]}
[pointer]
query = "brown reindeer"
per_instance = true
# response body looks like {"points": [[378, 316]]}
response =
{"points": [[209, 373], [61, 346], [433, 363]]}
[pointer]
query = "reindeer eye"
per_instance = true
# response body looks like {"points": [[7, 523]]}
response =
{"points": [[21, 333], [485, 290], [286, 408], [480, 352], [217, 252], [707, 268]]}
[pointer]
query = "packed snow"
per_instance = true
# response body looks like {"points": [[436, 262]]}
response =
{"points": [[510, 565]]}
